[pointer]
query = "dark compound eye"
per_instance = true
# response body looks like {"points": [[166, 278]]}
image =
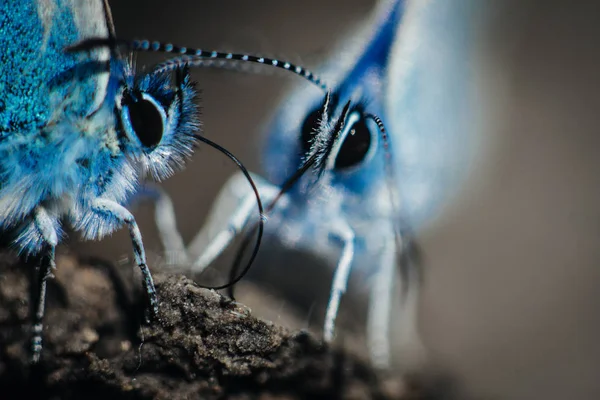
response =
{"points": [[356, 144], [309, 127], [145, 118]]}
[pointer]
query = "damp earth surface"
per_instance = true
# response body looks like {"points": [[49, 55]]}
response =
{"points": [[98, 344]]}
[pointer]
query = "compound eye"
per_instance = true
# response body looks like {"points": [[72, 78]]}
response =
{"points": [[309, 128], [356, 144], [146, 118]]}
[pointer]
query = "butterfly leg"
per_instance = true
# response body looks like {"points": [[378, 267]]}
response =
{"points": [[340, 279], [108, 208], [166, 224], [397, 257], [380, 304], [225, 236], [233, 208], [46, 227]]}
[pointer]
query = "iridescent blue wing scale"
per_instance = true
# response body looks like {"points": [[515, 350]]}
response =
{"points": [[36, 75]]}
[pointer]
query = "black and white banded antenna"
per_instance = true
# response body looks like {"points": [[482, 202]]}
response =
{"points": [[194, 57]]}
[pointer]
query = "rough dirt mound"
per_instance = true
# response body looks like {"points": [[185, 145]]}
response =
{"points": [[202, 347]]}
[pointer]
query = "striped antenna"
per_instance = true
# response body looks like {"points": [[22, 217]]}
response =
{"points": [[410, 253], [389, 163], [194, 57]]}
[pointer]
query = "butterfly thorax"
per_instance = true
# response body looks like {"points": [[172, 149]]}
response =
{"points": [[63, 166], [315, 212]]}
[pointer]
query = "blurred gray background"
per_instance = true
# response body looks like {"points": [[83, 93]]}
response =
{"points": [[512, 279]]}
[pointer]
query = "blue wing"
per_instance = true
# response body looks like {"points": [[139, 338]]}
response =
{"points": [[429, 102], [38, 80]]}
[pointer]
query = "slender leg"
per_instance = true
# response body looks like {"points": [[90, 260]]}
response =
{"points": [[380, 304], [110, 208], [47, 264], [232, 210], [340, 278], [226, 235], [166, 223], [390, 289], [46, 227]]}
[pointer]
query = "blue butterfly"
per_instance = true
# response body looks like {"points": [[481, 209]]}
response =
{"points": [[78, 131], [371, 187]]}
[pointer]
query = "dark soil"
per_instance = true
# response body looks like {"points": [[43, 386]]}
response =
{"points": [[203, 346]]}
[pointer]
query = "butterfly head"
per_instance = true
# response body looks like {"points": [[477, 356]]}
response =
{"points": [[350, 155], [158, 118], [343, 141]]}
